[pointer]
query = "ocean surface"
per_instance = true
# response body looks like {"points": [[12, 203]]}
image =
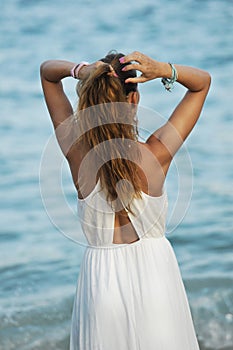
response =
{"points": [[39, 265]]}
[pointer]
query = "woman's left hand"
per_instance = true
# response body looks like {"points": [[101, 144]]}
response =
{"points": [[149, 68]]}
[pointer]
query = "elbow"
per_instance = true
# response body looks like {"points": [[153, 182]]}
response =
{"points": [[207, 80], [208, 77], [43, 67]]}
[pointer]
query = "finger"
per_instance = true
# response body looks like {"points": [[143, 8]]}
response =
{"points": [[140, 79], [135, 66], [134, 56]]}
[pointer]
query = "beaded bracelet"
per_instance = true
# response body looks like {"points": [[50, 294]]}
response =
{"points": [[75, 70], [168, 82]]}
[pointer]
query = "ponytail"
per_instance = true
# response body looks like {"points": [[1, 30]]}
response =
{"points": [[108, 126], [100, 87]]}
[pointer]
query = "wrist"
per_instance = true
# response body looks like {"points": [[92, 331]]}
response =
{"points": [[168, 82], [74, 72], [165, 70]]}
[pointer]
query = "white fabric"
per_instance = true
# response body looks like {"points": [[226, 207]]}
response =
{"points": [[129, 296]]}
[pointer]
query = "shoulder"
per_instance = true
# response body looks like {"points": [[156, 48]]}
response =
{"points": [[155, 157], [154, 148]]}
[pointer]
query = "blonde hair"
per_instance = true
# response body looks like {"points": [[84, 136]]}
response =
{"points": [[113, 127]]}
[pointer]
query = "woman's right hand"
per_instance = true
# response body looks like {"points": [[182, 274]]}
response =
{"points": [[150, 68]]}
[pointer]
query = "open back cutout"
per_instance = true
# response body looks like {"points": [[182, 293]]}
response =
{"points": [[124, 231]]}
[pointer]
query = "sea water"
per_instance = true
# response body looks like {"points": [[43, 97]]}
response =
{"points": [[38, 265]]}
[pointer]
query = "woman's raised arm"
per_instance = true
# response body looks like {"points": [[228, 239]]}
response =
{"points": [[173, 133], [52, 72]]}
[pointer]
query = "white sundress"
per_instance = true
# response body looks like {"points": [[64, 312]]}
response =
{"points": [[129, 296]]}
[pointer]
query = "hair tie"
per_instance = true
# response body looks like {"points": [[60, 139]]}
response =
{"points": [[113, 73]]}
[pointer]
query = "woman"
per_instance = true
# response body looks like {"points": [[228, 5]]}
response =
{"points": [[130, 293]]}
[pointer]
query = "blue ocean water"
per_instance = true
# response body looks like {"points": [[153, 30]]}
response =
{"points": [[38, 265]]}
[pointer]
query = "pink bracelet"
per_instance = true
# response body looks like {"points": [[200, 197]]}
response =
{"points": [[75, 70]]}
